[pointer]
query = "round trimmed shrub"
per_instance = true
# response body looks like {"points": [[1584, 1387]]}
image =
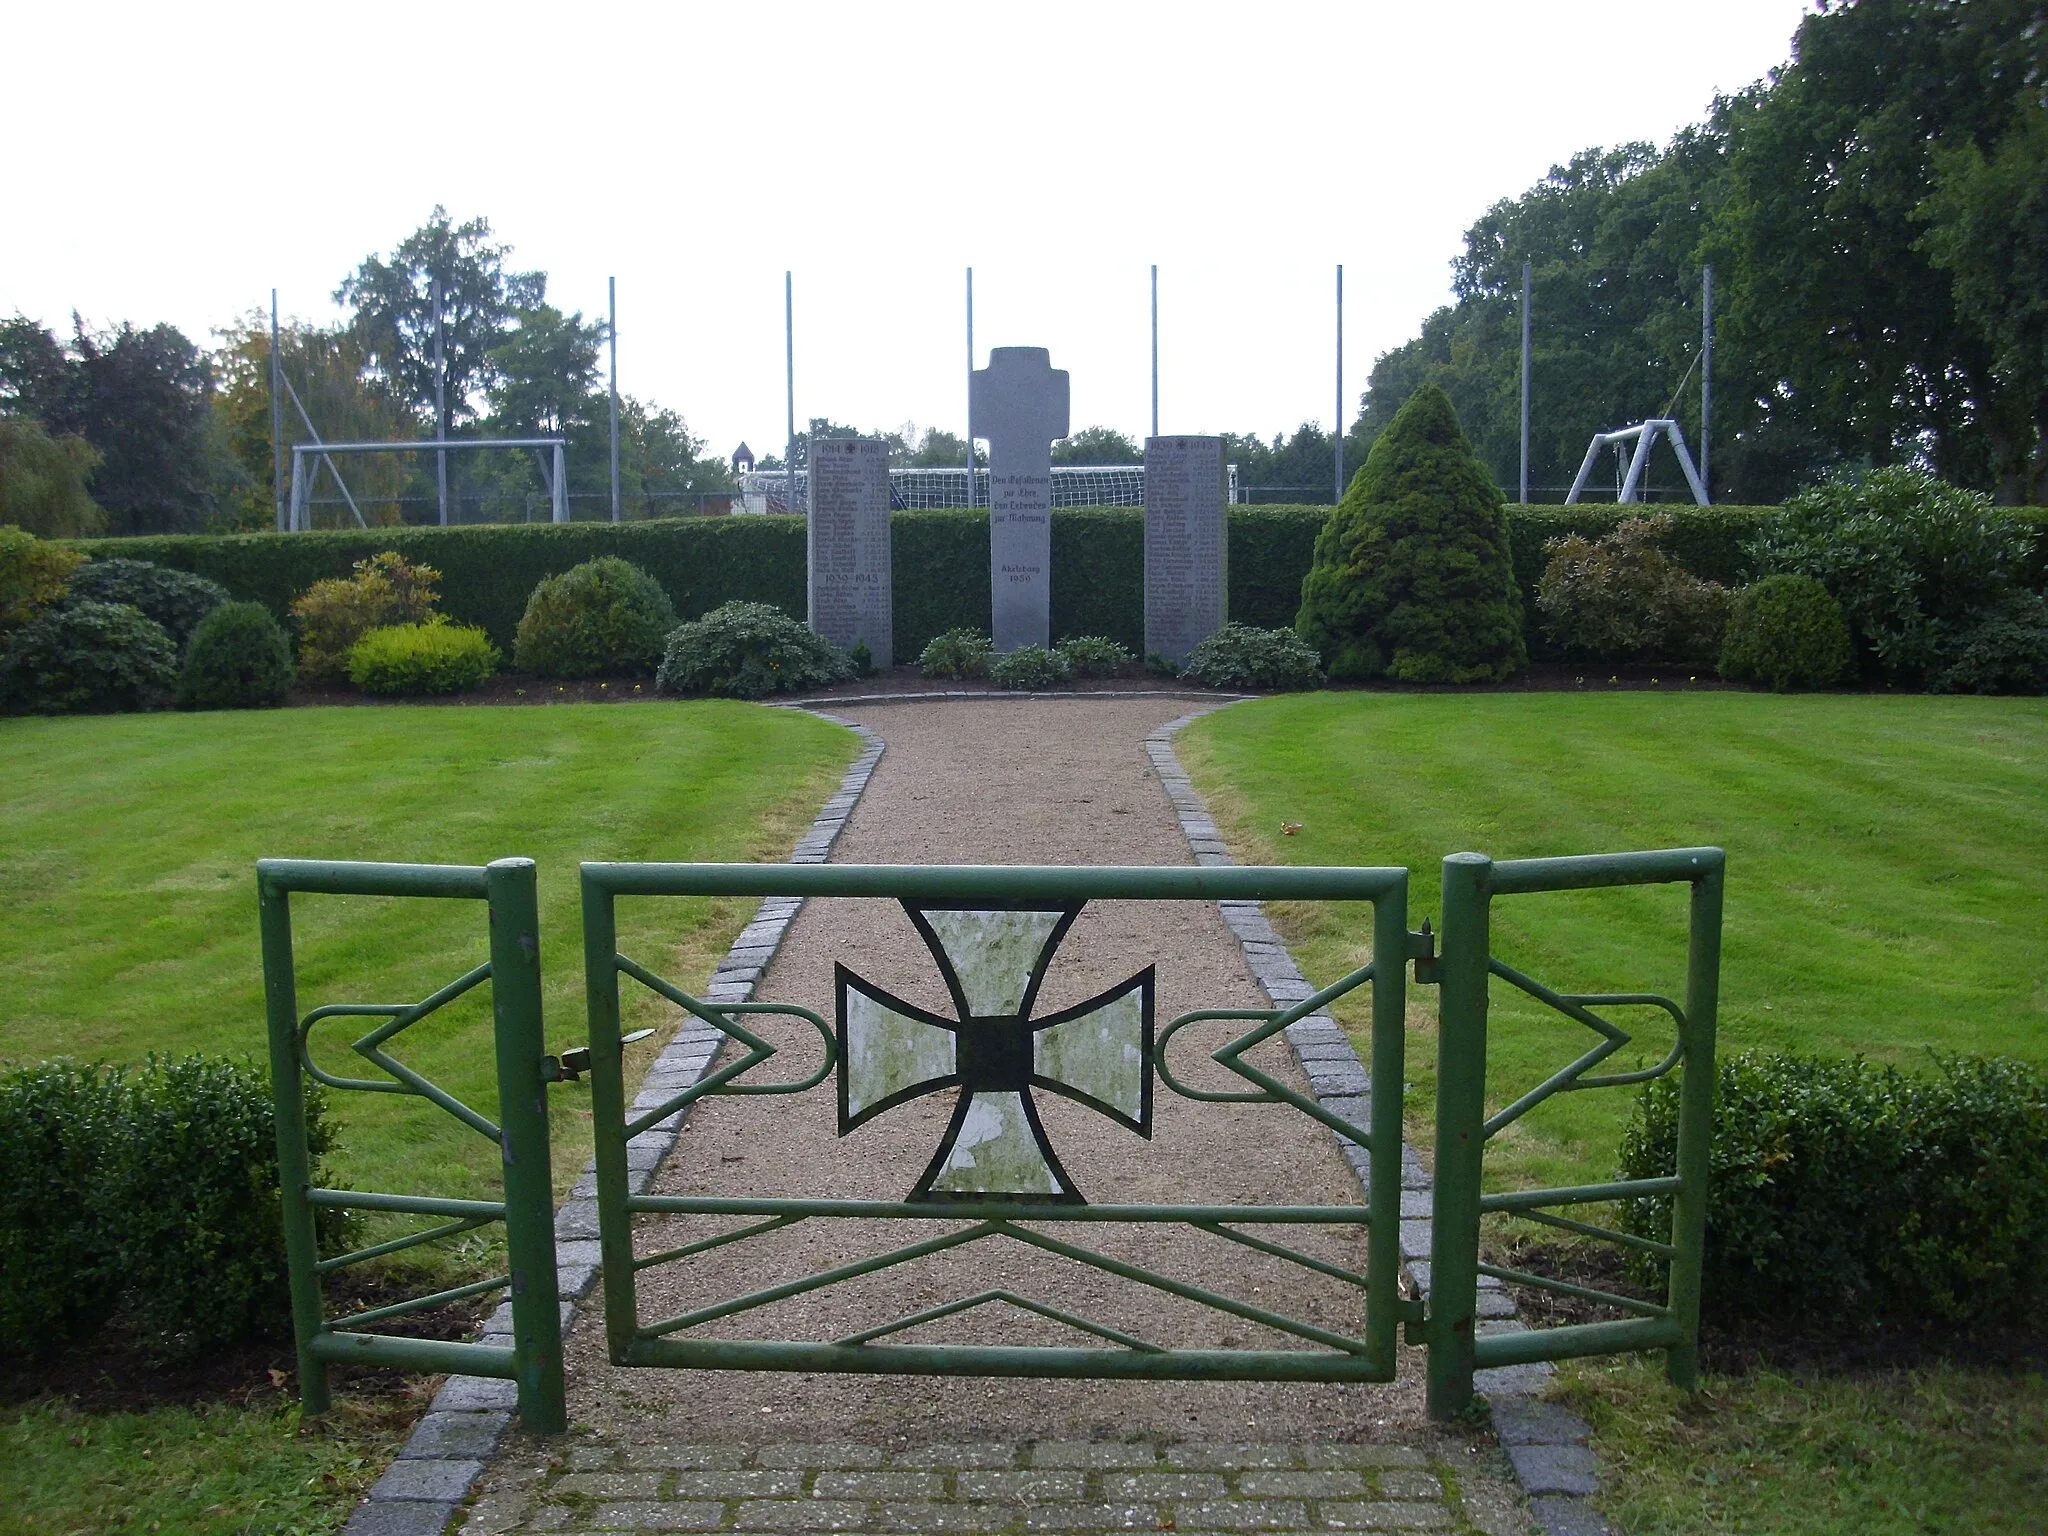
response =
{"points": [[603, 618], [1412, 577], [1786, 632], [1093, 655], [958, 653], [409, 660], [177, 600], [748, 651], [238, 658], [1028, 667], [88, 658], [1241, 656]]}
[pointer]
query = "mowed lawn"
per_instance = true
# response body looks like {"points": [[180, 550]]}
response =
{"points": [[128, 889], [1887, 883]]}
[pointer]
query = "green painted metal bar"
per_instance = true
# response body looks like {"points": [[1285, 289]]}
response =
{"points": [[1695, 1119], [1023, 882], [1282, 1252], [1566, 1288], [1581, 872], [999, 1210], [1303, 1365], [608, 1115], [818, 1280], [1576, 1194], [421, 1303], [1462, 971], [968, 1303], [1387, 1048], [294, 1161], [400, 1244], [434, 1355], [411, 1205], [528, 1171], [1605, 1234], [1280, 1322], [706, 1244], [1577, 1339], [327, 877]]}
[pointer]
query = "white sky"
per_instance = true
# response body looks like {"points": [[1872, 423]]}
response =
{"points": [[177, 162]]}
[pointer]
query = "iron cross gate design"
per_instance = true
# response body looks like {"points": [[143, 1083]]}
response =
{"points": [[995, 1055]]}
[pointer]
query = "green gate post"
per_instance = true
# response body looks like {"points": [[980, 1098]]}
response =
{"points": [[1695, 1122], [294, 1163], [1460, 1132], [523, 1115]]}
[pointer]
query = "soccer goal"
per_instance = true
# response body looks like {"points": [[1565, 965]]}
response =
{"points": [[1628, 486], [308, 459]]}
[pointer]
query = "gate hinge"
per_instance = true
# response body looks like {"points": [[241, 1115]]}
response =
{"points": [[1422, 950]]}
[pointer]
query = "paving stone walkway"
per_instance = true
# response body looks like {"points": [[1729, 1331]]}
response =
{"points": [[1065, 1486]]}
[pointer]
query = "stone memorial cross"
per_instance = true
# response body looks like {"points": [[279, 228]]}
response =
{"points": [[1186, 544], [847, 544], [1019, 402]]}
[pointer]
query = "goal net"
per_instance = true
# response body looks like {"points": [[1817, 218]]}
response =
{"points": [[1073, 485]]}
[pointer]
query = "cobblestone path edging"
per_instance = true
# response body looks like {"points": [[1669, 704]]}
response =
{"points": [[1545, 1444], [461, 1430]]}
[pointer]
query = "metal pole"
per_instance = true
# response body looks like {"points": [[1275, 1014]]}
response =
{"points": [[529, 1177], [1155, 349], [294, 1164], [1460, 1133], [789, 364], [276, 420], [1525, 383], [1706, 379], [1338, 435], [1695, 1123], [612, 293], [440, 404], [970, 387], [559, 512]]}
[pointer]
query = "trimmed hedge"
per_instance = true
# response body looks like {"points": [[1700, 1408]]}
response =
{"points": [[488, 571], [148, 1192], [1843, 1189], [940, 565]]}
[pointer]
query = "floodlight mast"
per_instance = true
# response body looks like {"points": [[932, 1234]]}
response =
{"points": [[612, 329], [276, 421], [1338, 435]]}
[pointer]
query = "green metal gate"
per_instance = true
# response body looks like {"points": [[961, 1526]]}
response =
{"points": [[534, 1358], [992, 933], [1471, 881]]}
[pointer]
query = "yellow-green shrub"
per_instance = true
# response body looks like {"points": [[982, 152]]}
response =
{"points": [[406, 660]]}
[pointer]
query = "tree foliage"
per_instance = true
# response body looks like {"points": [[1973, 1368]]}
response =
{"points": [[43, 481], [140, 398], [392, 304], [1097, 445], [1873, 212], [1413, 577]]}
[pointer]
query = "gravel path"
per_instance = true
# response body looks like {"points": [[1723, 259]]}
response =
{"points": [[1004, 782], [1007, 781]]}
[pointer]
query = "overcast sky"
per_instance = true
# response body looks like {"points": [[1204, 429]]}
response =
{"points": [[177, 162]]}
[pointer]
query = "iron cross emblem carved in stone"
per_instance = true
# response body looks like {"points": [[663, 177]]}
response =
{"points": [[994, 1052]]}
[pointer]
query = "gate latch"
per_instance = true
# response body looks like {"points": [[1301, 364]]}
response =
{"points": [[573, 1063], [1422, 950]]}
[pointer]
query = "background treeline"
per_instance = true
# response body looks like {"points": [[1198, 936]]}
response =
{"points": [[1876, 213], [133, 431]]}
